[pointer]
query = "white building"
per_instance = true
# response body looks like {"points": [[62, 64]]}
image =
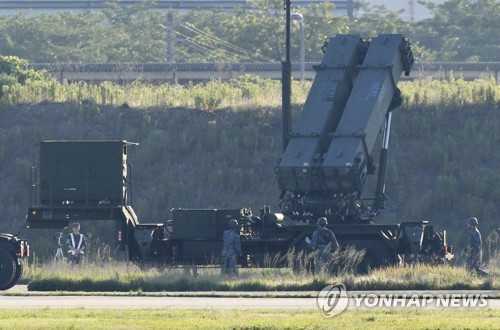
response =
{"points": [[412, 9]]}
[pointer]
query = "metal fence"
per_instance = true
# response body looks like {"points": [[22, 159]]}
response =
{"points": [[164, 72]]}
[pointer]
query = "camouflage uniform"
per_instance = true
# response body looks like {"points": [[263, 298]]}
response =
{"points": [[230, 250], [324, 243], [474, 250]]}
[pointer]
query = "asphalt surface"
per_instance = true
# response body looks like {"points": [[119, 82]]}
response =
{"points": [[18, 297]]}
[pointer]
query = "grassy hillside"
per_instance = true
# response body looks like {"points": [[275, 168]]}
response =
{"points": [[217, 146]]}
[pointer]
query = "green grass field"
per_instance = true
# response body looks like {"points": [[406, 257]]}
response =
{"points": [[247, 319], [125, 277]]}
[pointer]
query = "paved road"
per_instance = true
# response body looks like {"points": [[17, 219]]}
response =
{"points": [[258, 300], [124, 302], [134, 302]]}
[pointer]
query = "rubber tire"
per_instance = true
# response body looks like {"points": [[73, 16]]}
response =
{"points": [[369, 262], [8, 269], [17, 276]]}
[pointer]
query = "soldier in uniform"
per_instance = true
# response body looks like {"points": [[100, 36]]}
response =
{"points": [[168, 229], [231, 249], [474, 247], [324, 243], [76, 244]]}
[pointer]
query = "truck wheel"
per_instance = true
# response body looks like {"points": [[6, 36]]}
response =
{"points": [[8, 269], [17, 276], [369, 262]]}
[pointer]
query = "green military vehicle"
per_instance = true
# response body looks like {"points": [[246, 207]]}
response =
{"points": [[321, 173]]}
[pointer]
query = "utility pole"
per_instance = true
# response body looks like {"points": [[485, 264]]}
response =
{"points": [[298, 17], [170, 38], [286, 83]]}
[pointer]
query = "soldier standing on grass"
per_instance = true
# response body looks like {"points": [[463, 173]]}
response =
{"points": [[474, 247], [76, 244], [324, 243], [231, 249]]}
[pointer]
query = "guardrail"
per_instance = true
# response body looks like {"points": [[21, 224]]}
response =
{"points": [[180, 72]]}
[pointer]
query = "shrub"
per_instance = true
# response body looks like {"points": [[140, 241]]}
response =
{"points": [[15, 70]]}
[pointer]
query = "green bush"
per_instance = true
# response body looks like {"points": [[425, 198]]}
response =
{"points": [[6, 80], [15, 70], [17, 67]]}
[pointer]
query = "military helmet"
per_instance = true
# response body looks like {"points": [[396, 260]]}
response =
{"points": [[472, 221], [233, 223], [322, 222]]}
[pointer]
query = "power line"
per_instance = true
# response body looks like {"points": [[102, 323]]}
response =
{"points": [[181, 51], [193, 28], [208, 45], [206, 52], [202, 46], [205, 46], [222, 43]]}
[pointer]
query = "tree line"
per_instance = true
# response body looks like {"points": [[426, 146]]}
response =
{"points": [[460, 30]]}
